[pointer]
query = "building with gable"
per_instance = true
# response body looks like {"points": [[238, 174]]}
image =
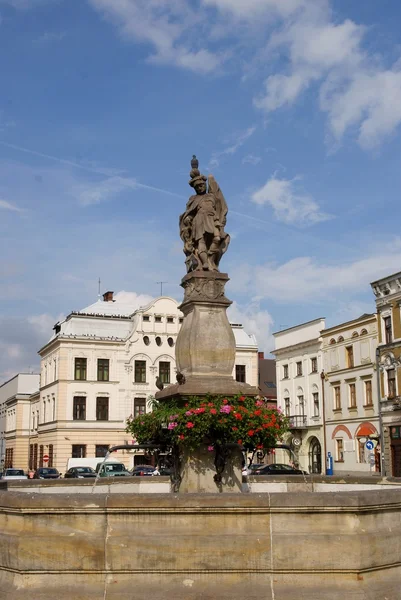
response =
{"points": [[99, 367]]}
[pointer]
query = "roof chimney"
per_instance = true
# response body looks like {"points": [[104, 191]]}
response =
{"points": [[108, 297], [261, 355]]}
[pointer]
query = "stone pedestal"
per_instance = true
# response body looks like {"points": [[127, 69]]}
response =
{"points": [[205, 347], [198, 472]]}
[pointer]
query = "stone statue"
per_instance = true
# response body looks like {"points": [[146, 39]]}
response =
{"points": [[202, 224]]}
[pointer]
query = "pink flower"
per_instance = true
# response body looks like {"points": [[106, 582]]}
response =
{"points": [[173, 417], [188, 413], [225, 409], [172, 425], [190, 425], [210, 448], [259, 403]]}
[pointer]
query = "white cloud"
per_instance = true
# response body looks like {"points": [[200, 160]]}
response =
{"points": [[289, 205], [132, 298], [252, 9], [162, 24], [306, 279], [251, 159], [7, 206], [95, 193], [236, 143], [255, 321], [50, 36]]}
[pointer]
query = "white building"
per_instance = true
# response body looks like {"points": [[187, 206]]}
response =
{"points": [[99, 367], [14, 418], [299, 390], [352, 415]]}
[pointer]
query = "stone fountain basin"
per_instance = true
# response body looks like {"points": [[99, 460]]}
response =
{"points": [[270, 545]]}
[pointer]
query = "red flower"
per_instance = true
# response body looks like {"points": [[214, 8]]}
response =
{"points": [[213, 411], [241, 398], [190, 425], [240, 442], [257, 413], [225, 401], [235, 428], [181, 437], [259, 446], [210, 404], [251, 432], [238, 416], [186, 404]]}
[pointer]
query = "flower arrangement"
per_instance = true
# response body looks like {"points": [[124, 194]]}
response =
{"points": [[251, 423]]}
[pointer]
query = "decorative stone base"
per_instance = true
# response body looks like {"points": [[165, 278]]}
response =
{"points": [[198, 471], [203, 386]]}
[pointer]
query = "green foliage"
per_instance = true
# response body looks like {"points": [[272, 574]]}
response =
{"points": [[249, 422]]}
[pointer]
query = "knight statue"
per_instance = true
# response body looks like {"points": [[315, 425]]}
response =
{"points": [[202, 224]]}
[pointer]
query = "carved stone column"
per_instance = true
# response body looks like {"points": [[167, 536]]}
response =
{"points": [[205, 347]]}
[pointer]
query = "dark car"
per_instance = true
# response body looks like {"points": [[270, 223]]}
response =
{"points": [[142, 471], [80, 473], [278, 469], [46, 473]]}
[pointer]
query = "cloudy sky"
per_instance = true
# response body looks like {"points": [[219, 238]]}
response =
{"points": [[293, 105]]}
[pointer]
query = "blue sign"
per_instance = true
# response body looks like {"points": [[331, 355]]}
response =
{"points": [[369, 445]]}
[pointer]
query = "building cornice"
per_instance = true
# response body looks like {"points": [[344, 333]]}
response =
{"points": [[294, 347], [372, 318]]}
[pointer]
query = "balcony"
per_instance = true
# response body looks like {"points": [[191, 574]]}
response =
{"points": [[298, 421]]}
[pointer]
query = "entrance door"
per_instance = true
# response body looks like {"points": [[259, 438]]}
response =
{"points": [[315, 456], [396, 456]]}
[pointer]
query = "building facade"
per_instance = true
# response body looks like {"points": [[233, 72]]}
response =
{"points": [[100, 367], [351, 404], [388, 303], [298, 373], [15, 397]]}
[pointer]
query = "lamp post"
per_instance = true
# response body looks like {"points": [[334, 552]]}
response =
{"points": [[323, 379], [379, 400]]}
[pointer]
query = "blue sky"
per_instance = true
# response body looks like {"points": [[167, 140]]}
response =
{"points": [[293, 105]]}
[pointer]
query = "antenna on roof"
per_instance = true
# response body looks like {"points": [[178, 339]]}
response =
{"points": [[98, 292], [161, 286]]}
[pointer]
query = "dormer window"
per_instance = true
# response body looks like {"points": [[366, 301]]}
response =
{"points": [[170, 319], [146, 318], [158, 319]]}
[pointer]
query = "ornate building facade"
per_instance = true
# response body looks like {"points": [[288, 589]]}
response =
{"points": [[388, 303]]}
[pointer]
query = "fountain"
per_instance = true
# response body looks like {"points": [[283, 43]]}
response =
{"points": [[287, 538]]}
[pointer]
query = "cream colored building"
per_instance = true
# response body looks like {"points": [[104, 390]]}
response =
{"points": [[99, 367], [15, 401], [352, 413], [299, 364]]}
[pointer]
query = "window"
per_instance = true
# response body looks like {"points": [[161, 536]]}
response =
{"points": [[170, 319], [364, 332], [139, 406], [299, 368], [388, 330], [313, 364], [41, 453], [158, 341], [79, 409], [102, 409], [164, 372], [391, 383], [140, 371], [101, 450], [368, 393], [158, 319], [350, 356], [44, 411], [339, 450], [181, 319], [285, 371], [361, 451], [316, 410], [240, 373], [352, 395], [51, 455], [287, 407], [337, 397], [146, 318], [146, 340], [332, 341], [301, 403], [170, 342], [103, 369], [78, 451], [80, 369]]}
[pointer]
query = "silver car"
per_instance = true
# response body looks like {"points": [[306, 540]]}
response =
{"points": [[13, 474]]}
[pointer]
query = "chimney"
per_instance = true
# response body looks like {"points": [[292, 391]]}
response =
{"points": [[261, 355], [108, 297]]}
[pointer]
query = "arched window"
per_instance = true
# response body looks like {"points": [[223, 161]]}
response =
{"points": [[340, 339], [355, 334], [315, 456], [364, 332], [332, 341]]}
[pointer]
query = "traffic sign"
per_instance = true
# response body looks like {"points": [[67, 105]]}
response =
{"points": [[369, 445], [46, 458]]}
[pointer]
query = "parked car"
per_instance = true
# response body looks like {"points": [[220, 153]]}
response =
{"points": [[112, 469], [80, 473], [13, 474], [278, 469], [46, 473], [142, 471], [250, 469]]}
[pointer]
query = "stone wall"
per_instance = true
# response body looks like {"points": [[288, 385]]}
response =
{"points": [[201, 547]]}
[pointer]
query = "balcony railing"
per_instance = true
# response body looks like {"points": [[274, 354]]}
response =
{"points": [[298, 421]]}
